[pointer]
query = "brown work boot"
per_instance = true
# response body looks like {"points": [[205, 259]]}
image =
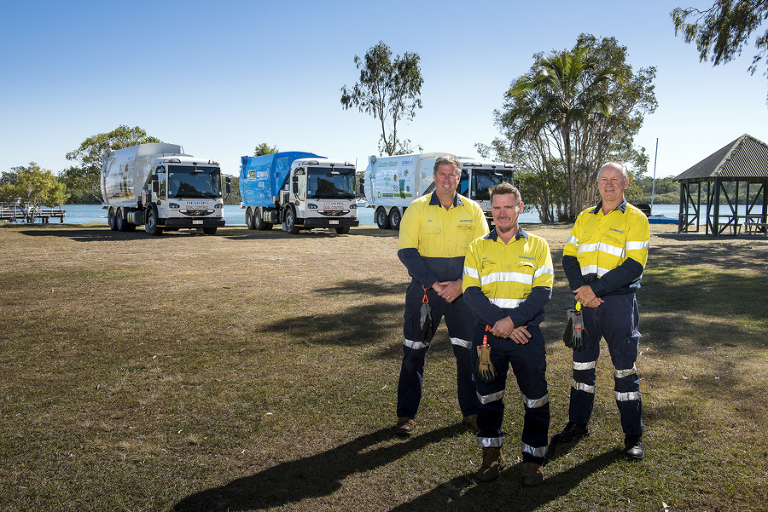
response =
{"points": [[493, 463], [405, 426], [533, 474], [471, 422]]}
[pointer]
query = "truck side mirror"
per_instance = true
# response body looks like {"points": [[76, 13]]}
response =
{"points": [[295, 185], [228, 186], [155, 185]]}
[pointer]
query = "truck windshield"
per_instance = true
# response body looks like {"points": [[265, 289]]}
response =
{"points": [[184, 181], [324, 184], [483, 179]]}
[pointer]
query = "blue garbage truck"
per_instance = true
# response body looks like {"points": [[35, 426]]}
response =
{"points": [[299, 191]]}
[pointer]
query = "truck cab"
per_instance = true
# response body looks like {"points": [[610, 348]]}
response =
{"points": [[321, 195], [185, 194], [478, 176]]}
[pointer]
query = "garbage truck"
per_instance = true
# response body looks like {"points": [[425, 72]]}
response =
{"points": [[299, 191], [160, 187], [392, 182]]}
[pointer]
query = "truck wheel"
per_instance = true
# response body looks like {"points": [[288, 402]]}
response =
{"points": [[290, 221], [394, 218], [120, 224], [151, 225], [210, 231], [258, 222], [249, 218], [381, 218], [342, 230], [111, 219]]}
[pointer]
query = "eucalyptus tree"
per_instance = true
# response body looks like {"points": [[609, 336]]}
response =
{"points": [[388, 89], [86, 175], [721, 31]]}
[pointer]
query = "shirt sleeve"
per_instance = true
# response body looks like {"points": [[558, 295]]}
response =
{"points": [[636, 249]]}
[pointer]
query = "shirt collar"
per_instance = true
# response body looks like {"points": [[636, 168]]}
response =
{"points": [[434, 200], [622, 207], [521, 233]]}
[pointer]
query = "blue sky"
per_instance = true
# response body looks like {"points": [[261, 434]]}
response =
{"points": [[221, 77]]}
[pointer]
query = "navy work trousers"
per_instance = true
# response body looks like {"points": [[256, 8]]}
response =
{"points": [[529, 365], [459, 320], [617, 321]]}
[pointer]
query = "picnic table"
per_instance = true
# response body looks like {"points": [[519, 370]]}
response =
{"points": [[754, 225]]}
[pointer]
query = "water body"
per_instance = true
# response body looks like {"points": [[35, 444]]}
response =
{"points": [[235, 216]]}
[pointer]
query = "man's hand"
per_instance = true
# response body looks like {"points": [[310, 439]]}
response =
{"points": [[587, 297], [449, 290], [520, 335]]}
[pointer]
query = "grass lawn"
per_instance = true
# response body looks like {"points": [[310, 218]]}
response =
{"points": [[258, 371]]}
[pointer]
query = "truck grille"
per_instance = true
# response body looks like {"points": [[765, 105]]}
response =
{"points": [[333, 213], [197, 213]]}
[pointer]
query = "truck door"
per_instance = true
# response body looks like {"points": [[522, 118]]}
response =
{"points": [[162, 183]]}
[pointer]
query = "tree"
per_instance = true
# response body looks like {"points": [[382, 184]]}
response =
{"points": [[33, 187], [568, 115], [721, 31], [388, 89], [264, 149], [85, 178]]}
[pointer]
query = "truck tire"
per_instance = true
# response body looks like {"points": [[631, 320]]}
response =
{"points": [[382, 220], [111, 219], [151, 225], [342, 230], [120, 224], [210, 231], [290, 221], [394, 218], [249, 218], [258, 222]]}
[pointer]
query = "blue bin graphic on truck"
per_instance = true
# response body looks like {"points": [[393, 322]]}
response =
{"points": [[298, 190]]}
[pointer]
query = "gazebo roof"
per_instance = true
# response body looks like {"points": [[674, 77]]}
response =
{"points": [[745, 157]]}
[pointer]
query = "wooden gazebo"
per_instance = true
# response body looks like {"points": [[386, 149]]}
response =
{"points": [[702, 188]]}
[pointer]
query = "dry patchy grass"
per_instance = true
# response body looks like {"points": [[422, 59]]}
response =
{"points": [[257, 371]]}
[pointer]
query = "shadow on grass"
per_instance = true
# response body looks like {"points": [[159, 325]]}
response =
{"points": [[278, 234], [506, 493], [317, 475]]}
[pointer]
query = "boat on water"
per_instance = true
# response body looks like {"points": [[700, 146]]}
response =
{"points": [[660, 218]]}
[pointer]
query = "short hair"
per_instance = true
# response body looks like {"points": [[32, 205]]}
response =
{"points": [[504, 188], [617, 166], [448, 159]]}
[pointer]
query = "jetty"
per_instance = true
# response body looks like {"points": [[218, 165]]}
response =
{"points": [[29, 215]]}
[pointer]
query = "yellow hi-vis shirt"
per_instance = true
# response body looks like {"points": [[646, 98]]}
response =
{"points": [[604, 243], [439, 236], [507, 274]]}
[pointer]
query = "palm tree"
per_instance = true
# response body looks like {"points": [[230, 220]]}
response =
{"points": [[567, 89]]}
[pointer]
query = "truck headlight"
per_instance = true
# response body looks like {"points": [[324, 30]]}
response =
{"points": [[353, 206], [217, 206], [312, 206], [174, 206]]}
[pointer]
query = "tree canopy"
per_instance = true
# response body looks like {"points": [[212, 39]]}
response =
{"points": [[721, 31], [572, 112], [264, 149], [389, 90], [84, 179], [32, 187]]}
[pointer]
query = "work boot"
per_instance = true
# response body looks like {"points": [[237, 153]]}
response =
{"points": [[471, 422], [533, 474], [572, 432], [405, 426], [493, 463], [633, 447]]}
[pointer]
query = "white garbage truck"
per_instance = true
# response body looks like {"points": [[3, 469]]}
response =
{"points": [[392, 182], [160, 187]]}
